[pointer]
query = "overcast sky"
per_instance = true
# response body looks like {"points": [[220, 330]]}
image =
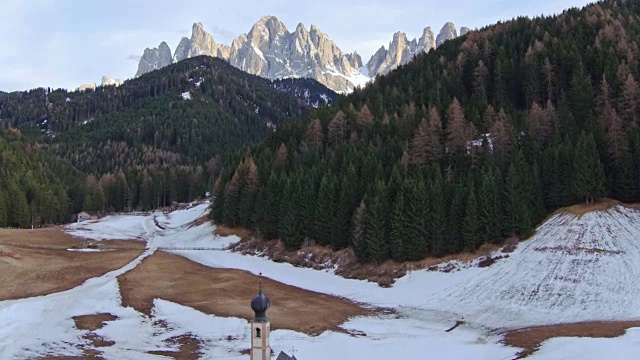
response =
{"points": [[66, 43]]}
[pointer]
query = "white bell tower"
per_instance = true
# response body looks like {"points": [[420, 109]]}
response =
{"points": [[260, 328]]}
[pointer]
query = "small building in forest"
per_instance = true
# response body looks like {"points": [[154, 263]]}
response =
{"points": [[87, 215]]}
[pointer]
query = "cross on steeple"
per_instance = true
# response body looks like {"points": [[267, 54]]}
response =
{"points": [[293, 351]]}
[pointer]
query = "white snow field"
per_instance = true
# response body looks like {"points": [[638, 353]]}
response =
{"points": [[573, 269]]}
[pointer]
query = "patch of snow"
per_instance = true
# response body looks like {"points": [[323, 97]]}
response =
{"points": [[255, 48], [573, 269], [116, 227], [364, 71], [626, 347], [359, 79], [186, 96], [88, 250]]}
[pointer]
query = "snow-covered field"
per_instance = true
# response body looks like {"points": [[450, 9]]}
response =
{"points": [[573, 269]]}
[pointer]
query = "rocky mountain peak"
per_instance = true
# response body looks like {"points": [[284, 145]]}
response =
{"points": [[464, 31], [447, 32], [267, 29], [301, 29], [314, 29], [427, 41], [197, 29], [401, 51], [271, 51], [182, 51], [108, 81], [354, 60], [155, 58]]}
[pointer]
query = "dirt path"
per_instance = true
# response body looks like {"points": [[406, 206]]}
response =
{"points": [[530, 338], [228, 292], [38, 262]]}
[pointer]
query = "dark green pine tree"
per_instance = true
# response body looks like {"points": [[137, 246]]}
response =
{"points": [[489, 209], [471, 223], [516, 202], [347, 203], [417, 237], [308, 206], [536, 198], [325, 210], [438, 211], [19, 214], [623, 180], [588, 173], [359, 234], [456, 212], [376, 237], [4, 210], [581, 97], [268, 219], [399, 226], [288, 223], [230, 208], [247, 207]]}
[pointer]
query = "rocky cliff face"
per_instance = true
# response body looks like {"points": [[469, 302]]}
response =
{"points": [[271, 51], [401, 51], [155, 58], [447, 32], [201, 43], [85, 87], [355, 60], [108, 81]]}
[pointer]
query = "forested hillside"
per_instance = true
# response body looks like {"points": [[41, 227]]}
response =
{"points": [[471, 143], [35, 187], [158, 138]]}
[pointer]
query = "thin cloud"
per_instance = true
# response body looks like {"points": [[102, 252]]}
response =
{"points": [[133, 57], [224, 33]]}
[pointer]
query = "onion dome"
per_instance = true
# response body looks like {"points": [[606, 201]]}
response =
{"points": [[260, 304]]}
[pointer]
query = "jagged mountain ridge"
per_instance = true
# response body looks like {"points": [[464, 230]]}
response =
{"points": [[401, 50], [271, 51]]}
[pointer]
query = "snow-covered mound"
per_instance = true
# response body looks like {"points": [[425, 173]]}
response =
{"points": [[117, 227], [575, 268]]}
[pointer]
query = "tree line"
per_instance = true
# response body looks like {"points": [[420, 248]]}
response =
{"points": [[471, 143]]}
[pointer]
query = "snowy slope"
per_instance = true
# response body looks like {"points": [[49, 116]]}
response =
{"points": [[574, 269]]}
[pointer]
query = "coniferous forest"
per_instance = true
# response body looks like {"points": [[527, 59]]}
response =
{"points": [[138, 146], [471, 143]]}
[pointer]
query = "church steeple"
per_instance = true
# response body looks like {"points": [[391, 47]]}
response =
{"points": [[260, 304], [260, 327]]}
